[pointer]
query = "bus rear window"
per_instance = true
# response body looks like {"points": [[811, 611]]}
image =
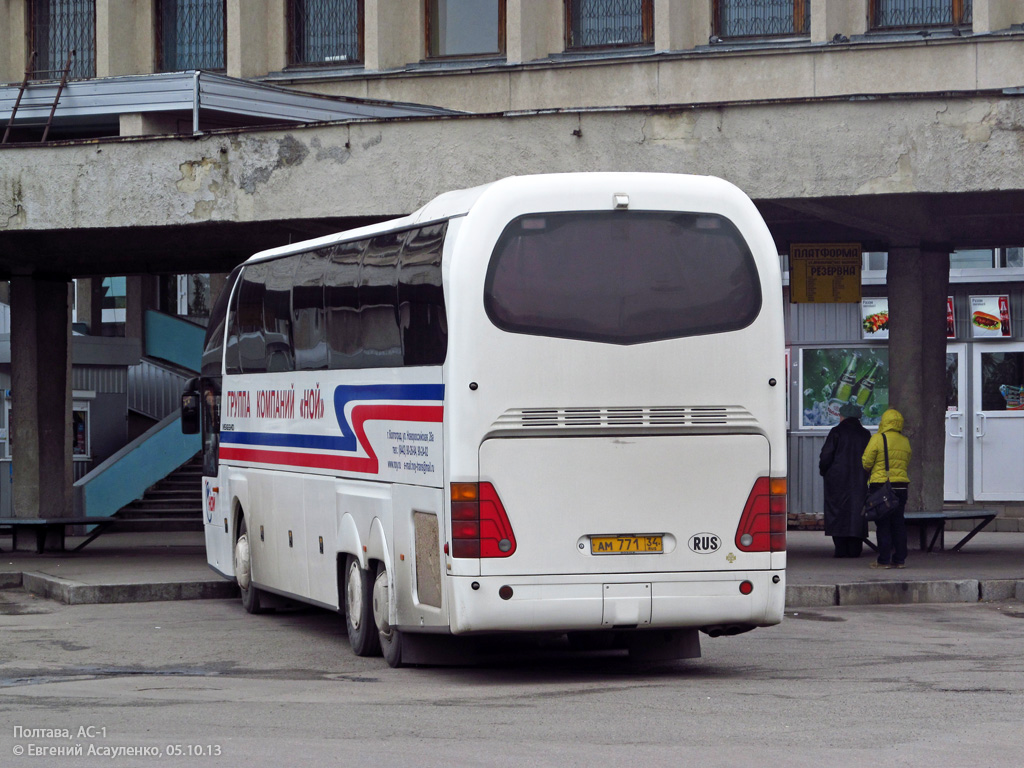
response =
{"points": [[621, 277]]}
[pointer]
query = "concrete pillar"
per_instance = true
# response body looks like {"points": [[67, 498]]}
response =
{"points": [[13, 41], [40, 428], [838, 17], [994, 15], [125, 37], [394, 33], [534, 29], [681, 26], [89, 302], [140, 295], [217, 283], [256, 37], [918, 283]]}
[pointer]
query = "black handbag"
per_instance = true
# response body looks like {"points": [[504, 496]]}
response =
{"points": [[882, 502]]}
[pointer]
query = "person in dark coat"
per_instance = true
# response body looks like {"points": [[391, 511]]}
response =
{"points": [[845, 482]]}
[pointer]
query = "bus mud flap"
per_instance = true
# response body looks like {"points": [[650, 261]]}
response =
{"points": [[664, 644], [438, 650]]}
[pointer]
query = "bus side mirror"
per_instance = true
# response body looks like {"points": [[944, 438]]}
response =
{"points": [[190, 408]]}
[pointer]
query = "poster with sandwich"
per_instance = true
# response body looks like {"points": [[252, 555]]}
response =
{"points": [[990, 317], [874, 318]]}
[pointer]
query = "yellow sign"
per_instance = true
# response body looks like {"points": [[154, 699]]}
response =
{"points": [[824, 273]]}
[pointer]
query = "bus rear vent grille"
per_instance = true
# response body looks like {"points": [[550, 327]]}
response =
{"points": [[635, 418]]}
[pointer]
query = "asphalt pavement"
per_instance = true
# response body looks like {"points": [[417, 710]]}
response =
{"points": [[144, 567]]}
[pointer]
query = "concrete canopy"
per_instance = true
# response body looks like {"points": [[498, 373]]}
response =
{"points": [[948, 174]]}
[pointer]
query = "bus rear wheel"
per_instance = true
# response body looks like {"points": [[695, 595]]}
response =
{"points": [[243, 571], [390, 638], [362, 632]]}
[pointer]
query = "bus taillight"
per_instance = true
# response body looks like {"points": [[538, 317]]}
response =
{"points": [[762, 527], [480, 527]]}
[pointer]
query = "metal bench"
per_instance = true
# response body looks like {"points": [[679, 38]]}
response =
{"points": [[932, 526], [41, 526]]}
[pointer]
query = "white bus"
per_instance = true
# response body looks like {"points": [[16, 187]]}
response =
{"points": [[548, 404]]}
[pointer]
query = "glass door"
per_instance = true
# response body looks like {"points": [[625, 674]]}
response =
{"points": [[956, 423], [998, 422]]}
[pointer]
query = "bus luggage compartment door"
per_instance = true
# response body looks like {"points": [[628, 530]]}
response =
{"points": [[598, 505]]}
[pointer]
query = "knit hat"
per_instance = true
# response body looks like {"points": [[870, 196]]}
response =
{"points": [[850, 411]]}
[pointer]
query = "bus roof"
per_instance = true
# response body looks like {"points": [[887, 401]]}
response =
{"points": [[459, 202], [445, 206]]}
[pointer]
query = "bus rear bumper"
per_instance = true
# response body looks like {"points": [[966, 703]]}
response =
{"points": [[567, 603]]}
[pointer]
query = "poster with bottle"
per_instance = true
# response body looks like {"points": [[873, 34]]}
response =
{"points": [[950, 319], [832, 378], [874, 318], [990, 317]]}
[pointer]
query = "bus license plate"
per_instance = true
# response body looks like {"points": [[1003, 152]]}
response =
{"points": [[621, 545]]}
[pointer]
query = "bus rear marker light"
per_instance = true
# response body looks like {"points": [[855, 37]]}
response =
{"points": [[762, 526], [480, 527]]}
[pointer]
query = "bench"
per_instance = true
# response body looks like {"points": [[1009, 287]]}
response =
{"points": [[43, 526], [933, 524]]}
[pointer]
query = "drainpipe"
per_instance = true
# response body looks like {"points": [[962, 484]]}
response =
{"points": [[195, 103]]}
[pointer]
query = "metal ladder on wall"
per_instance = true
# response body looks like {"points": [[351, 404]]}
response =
{"points": [[31, 73]]}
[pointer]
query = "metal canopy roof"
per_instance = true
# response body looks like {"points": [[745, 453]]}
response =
{"points": [[207, 98]]}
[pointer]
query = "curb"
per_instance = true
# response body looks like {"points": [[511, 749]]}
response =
{"points": [[904, 592], [797, 596], [76, 593]]}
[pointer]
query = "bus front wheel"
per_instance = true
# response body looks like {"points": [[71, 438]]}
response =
{"points": [[362, 632], [243, 570], [390, 638]]}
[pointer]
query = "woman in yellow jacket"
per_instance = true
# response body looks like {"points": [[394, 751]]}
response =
{"points": [[891, 531]]}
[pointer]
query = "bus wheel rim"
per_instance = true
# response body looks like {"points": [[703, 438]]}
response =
{"points": [[354, 595], [381, 607], [243, 572]]}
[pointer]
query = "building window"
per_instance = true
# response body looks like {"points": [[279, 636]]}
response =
{"points": [[465, 27], [762, 18], [325, 32], [987, 258], [58, 27], [601, 23], [896, 14], [191, 34]]}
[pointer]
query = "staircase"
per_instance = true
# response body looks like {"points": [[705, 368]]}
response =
{"points": [[173, 504]]}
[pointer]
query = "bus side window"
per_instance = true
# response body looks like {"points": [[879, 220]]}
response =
{"points": [[277, 315], [341, 305], [309, 327], [421, 310], [252, 346], [380, 338]]}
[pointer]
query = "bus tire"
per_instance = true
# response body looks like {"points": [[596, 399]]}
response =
{"points": [[362, 632], [389, 637], [243, 571]]}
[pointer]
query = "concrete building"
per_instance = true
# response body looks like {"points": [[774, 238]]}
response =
{"points": [[892, 124]]}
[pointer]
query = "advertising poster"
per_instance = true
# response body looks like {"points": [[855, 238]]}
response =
{"points": [[874, 318], [990, 317], [831, 378]]}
